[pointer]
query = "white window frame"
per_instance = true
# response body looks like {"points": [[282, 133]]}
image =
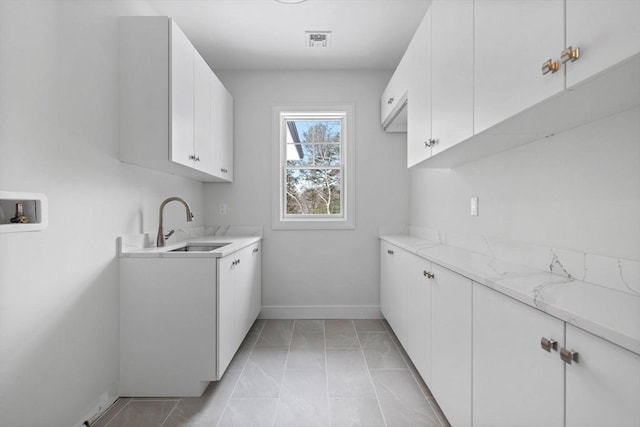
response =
{"points": [[281, 220]]}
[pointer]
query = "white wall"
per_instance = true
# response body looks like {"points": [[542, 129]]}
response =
{"points": [[59, 136], [579, 190], [314, 268]]}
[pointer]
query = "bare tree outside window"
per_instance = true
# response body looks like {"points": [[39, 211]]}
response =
{"points": [[313, 169]]}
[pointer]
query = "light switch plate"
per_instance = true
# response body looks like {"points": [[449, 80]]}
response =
{"points": [[474, 206]]}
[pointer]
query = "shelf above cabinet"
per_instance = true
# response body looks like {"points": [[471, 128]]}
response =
{"points": [[615, 90]]}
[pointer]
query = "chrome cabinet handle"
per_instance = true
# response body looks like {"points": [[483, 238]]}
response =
{"points": [[428, 274], [568, 356], [390, 101], [430, 142], [255, 250], [570, 54], [389, 251], [224, 170], [548, 344], [194, 158], [550, 66]]}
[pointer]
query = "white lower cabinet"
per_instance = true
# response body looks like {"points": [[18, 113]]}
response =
{"points": [[450, 380], [393, 288], [183, 319], [418, 343], [515, 381], [603, 386], [493, 361], [429, 309], [239, 300]]}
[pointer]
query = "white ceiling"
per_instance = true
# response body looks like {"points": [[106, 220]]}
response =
{"points": [[266, 34]]}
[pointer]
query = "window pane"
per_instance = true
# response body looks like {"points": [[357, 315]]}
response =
{"points": [[319, 130], [313, 191], [300, 155], [327, 154]]}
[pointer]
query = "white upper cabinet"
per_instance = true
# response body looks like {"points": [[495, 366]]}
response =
{"points": [[513, 38], [166, 118], [605, 31], [221, 128], [204, 155], [393, 102], [451, 73], [419, 105], [182, 97], [489, 75]]}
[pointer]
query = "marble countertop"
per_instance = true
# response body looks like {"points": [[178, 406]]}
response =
{"points": [[604, 312], [133, 249]]}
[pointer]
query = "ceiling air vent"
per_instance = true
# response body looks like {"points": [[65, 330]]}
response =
{"points": [[318, 38]]}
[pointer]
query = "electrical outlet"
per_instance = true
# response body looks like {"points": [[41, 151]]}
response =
{"points": [[474, 206], [222, 209]]}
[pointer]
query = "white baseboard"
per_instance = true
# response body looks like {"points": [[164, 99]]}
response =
{"points": [[321, 312], [100, 406]]}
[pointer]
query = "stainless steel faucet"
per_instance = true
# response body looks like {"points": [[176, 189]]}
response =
{"points": [[160, 239]]}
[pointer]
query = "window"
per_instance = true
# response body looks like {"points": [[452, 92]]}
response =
{"points": [[313, 160]]}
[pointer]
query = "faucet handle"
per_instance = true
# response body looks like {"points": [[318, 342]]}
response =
{"points": [[166, 236]]}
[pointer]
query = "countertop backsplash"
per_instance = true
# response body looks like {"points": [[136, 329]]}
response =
{"points": [[614, 273], [148, 239]]}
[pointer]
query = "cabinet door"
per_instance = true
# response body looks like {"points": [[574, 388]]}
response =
{"points": [[515, 381], [181, 80], [221, 129], [392, 109], [603, 386], [256, 283], [419, 315], [450, 380], [393, 289], [203, 147], [606, 31], [419, 107], [512, 40], [451, 72], [226, 312], [243, 296]]}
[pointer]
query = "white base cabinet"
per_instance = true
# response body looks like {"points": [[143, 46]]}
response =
{"points": [[603, 386], [450, 380], [239, 296], [429, 309], [183, 319], [393, 288], [493, 361], [515, 381]]}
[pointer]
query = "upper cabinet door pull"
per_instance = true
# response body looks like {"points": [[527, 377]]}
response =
{"points": [[550, 66], [570, 54]]}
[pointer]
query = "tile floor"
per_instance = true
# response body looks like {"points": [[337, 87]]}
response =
{"points": [[301, 373]]}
